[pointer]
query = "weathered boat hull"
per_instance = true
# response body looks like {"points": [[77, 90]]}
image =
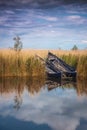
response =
{"points": [[56, 67], [59, 67], [55, 75], [60, 75]]}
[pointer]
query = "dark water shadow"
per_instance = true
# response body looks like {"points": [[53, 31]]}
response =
{"points": [[16, 124]]}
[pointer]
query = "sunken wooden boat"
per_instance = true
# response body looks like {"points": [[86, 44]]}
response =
{"points": [[56, 67]]}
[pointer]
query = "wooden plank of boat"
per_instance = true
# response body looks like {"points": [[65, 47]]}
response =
{"points": [[57, 61], [58, 64]]}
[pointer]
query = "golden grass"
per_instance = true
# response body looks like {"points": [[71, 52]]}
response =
{"points": [[43, 53], [25, 63]]}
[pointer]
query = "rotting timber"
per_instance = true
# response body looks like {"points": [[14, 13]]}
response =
{"points": [[56, 67]]}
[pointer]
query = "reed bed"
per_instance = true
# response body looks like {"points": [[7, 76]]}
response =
{"points": [[25, 63], [14, 63]]}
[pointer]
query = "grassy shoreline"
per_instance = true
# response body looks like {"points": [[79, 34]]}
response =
{"points": [[25, 63]]}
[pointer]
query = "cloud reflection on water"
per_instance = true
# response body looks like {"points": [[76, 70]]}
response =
{"points": [[60, 109]]}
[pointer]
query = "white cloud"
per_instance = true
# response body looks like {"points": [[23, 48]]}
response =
{"points": [[84, 41], [9, 12], [77, 19], [48, 18], [74, 17], [3, 20]]}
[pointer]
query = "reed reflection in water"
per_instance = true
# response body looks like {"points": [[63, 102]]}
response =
{"points": [[34, 85], [17, 85]]}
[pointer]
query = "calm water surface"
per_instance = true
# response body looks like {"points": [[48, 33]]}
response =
{"points": [[38, 104]]}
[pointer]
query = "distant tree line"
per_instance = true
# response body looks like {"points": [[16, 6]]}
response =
{"points": [[18, 45]]}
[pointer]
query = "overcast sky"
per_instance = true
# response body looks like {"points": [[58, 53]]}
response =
{"points": [[44, 24]]}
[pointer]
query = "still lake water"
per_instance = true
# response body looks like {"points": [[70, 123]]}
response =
{"points": [[39, 104]]}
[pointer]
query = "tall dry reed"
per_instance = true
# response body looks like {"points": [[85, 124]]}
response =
{"points": [[25, 63]]}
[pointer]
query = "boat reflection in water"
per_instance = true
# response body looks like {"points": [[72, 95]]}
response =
{"points": [[62, 83]]}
